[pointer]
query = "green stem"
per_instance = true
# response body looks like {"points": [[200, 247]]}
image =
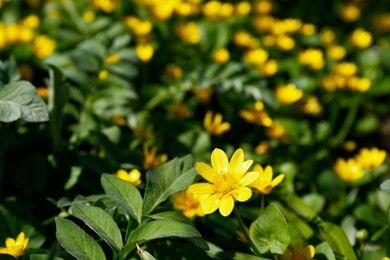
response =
{"points": [[349, 120], [262, 203], [245, 231]]}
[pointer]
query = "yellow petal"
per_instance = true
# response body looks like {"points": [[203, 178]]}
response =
{"points": [[268, 173], [20, 238], [219, 160], [224, 127], [226, 206], [243, 194], [277, 180], [207, 119], [243, 168], [217, 119], [236, 160], [249, 178], [210, 204], [201, 188], [205, 171], [311, 251]]}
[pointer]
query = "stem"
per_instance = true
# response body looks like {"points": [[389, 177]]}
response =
{"points": [[245, 231], [262, 203], [349, 120]]}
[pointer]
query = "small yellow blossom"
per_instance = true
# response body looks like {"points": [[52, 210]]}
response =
{"points": [[349, 145], [214, 125], [263, 147], [43, 46], [264, 184], [269, 40], [173, 71], [383, 22], [358, 84], [242, 39], [113, 58], [346, 69], [107, 6], [15, 248], [327, 36], [336, 52], [348, 170], [285, 42], [189, 32], [312, 58], [263, 7], [312, 106], [276, 130], [26, 34], [134, 176], [226, 10], [202, 94], [11, 33], [89, 16], [288, 94], [144, 52], [385, 258], [257, 115], [119, 120], [31, 21], [361, 38], [138, 27], [264, 23], [221, 56], [349, 13], [103, 74], [228, 181], [152, 159], [308, 29], [43, 92], [268, 68], [299, 252], [370, 158], [180, 110], [163, 9], [256, 56], [188, 203], [243, 8]]}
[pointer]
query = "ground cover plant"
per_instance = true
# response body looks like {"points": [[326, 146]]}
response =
{"points": [[193, 129]]}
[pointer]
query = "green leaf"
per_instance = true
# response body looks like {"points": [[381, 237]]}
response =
{"points": [[44, 257], [386, 186], [269, 232], [173, 176], [76, 241], [100, 221], [124, 194], [324, 251], [19, 100], [145, 255], [337, 239]]}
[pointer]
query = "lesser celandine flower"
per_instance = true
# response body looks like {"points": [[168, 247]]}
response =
{"points": [[336, 52], [242, 39], [264, 184], [221, 56], [327, 36], [188, 203], [202, 94], [138, 27], [268, 68], [15, 247], [285, 42], [276, 130], [256, 56], [312, 106], [312, 58], [103, 74], [228, 181], [107, 6], [288, 94], [189, 32], [350, 13], [346, 69], [144, 52], [242, 8], [173, 71], [43, 92], [348, 170], [152, 159], [180, 110], [263, 7], [89, 16], [263, 23], [263, 147], [113, 58], [308, 29], [385, 258], [256, 115], [358, 84], [370, 158], [299, 253], [43, 46], [214, 125], [134, 176], [361, 38]]}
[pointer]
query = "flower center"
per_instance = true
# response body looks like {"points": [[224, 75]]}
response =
{"points": [[225, 183]]}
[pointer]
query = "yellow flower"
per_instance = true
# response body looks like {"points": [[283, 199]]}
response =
{"points": [[348, 170], [11, 33], [242, 39], [211, 9], [358, 84], [173, 71], [383, 22], [138, 27], [349, 145], [107, 6], [276, 130], [349, 13], [268, 68], [285, 42], [308, 29], [346, 69], [228, 181], [263, 147], [243, 8], [31, 21], [256, 115], [361, 38], [151, 159], [312, 106], [312, 58], [256, 56], [385, 258], [263, 7], [144, 52], [221, 56], [188, 203], [336, 52], [103, 74], [299, 253], [180, 110], [203, 94], [164, 9], [189, 32], [89, 16], [43, 92], [214, 124], [113, 58], [26, 34], [134, 176], [288, 94], [43, 46], [117, 119], [264, 184], [14, 247], [264, 23], [327, 36], [371, 158]]}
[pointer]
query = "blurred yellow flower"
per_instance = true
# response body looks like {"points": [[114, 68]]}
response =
{"points": [[263, 147], [43, 46], [173, 71], [312, 58], [269, 40], [348, 170], [144, 52], [43, 92], [346, 69], [180, 110], [107, 6], [103, 74], [188, 203], [308, 29], [361, 38], [336, 52], [26, 34], [327, 36], [263, 7], [349, 145], [221, 56], [89, 16], [349, 13], [382, 22], [299, 252], [288, 94], [113, 58], [214, 125], [276, 130], [134, 176], [202, 94], [31, 21], [358, 84], [242, 39], [264, 184], [228, 181], [11, 33], [385, 258], [15, 248], [268, 68], [285, 42], [119, 120], [138, 27], [163, 9], [152, 159], [370, 158], [311, 106], [242, 8], [256, 56], [256, 115], [264, 23], [189, 32]]}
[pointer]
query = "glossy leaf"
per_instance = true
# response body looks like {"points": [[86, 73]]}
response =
{"points": [[99, 221], [386, 186], [76, 241], [269, 231], [145, 255]]}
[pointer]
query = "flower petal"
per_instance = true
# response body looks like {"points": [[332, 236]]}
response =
{"points": [[277, 180], [268, 173], [236, 161], [243, 194], [242, 169], [219, 160], [10, 242], [249, 178], [20, 238], [224, 127], [205, 171], [210, 204], [201, 188], [226, 206]]}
